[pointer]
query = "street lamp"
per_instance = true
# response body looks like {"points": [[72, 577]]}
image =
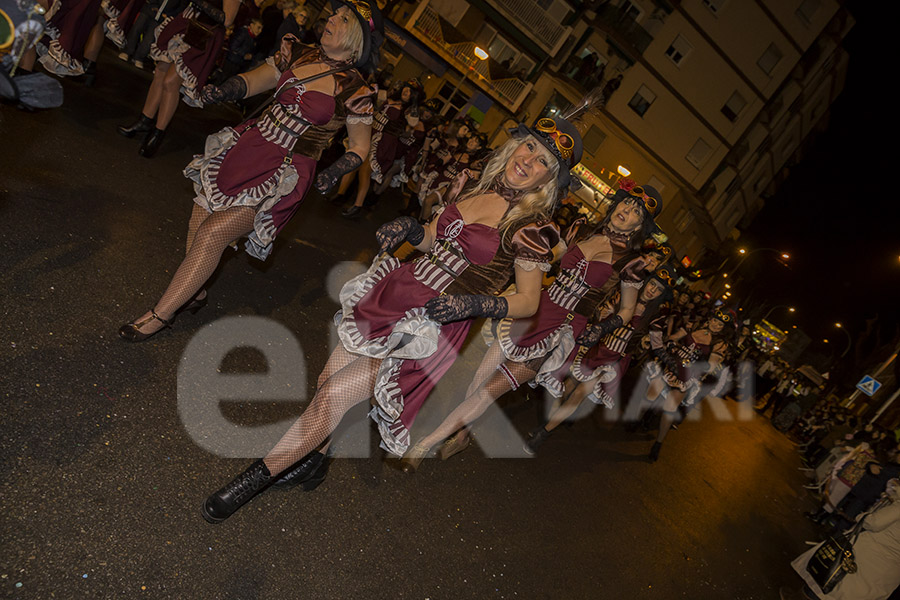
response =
{"points": [[790, 308], [849, 339], [479, 53]]}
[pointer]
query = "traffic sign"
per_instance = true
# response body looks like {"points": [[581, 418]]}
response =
{"points": [[868, 385]]}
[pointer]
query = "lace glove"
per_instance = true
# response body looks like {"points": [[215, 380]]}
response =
{"points": [[402, 229], [232, 89], [216, 14], [445, 309], [329, 178], [594, 333]]}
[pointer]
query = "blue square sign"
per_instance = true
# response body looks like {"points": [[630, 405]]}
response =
{"points": [[868, 385]]}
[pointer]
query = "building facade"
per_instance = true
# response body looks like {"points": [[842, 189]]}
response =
{"points": [[708, 100]]}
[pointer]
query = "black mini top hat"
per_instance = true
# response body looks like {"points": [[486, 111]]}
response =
{"points": [[563, 141], [370, 20]]}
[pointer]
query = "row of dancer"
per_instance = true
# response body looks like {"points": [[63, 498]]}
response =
{"points": [[403, 323]]}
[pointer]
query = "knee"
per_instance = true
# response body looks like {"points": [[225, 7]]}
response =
{"points": [[172, 83]]}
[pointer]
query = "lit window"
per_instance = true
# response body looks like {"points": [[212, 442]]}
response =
{"points": [[678, 50], [769, 59], [699, 153], [642, 100], [733, 107]]}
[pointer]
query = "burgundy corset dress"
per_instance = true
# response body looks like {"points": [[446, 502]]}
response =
{"points": [[383, 315], [259, 162]]}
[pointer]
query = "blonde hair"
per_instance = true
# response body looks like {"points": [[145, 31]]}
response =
{"points": [[354, 41], [534, 205]]}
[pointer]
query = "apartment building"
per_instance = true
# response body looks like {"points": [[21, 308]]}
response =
{"points": [[715, 97]]}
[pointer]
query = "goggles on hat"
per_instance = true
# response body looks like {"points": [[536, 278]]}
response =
{"points": [[564, 142], [649, 201], [724, 317]]}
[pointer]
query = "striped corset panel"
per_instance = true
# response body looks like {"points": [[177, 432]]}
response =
{"points": [[379, 121], [569, 287], [617, 341], [282, 126], [441, 266], [687, 354]]}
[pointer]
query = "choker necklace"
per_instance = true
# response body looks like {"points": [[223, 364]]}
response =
{"points": [[504, 191], [616, 239], [323, 57]]}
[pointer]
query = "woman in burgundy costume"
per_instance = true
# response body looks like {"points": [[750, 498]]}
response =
{"points": [[401, 325], [392, 121], [185, 51], [598, 370], [69, 27], [251, 179], [679, 365], [542, 347]]}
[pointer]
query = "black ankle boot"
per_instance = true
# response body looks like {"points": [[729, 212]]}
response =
{"points": [[308, 472], [90, 72], [238, 492], [142, 125], [654, 451], [535, 440], [152, 142]]}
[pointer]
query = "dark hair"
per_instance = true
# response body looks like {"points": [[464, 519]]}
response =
{"points": [[648, 226]]}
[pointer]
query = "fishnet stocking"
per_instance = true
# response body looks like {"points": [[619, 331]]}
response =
{"points": [[489, 384], [208, 242], [351, 381]]}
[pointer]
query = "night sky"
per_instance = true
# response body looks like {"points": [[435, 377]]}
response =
{"points": [[836, 214]]}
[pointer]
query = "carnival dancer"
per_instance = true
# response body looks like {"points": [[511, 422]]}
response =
{"points": [[414, 141], [466, 156], [251, 179], [597, 371], [403, 324], [678, 368], [398, 114], [450, 139], [186, 49], [542, 347], [70, 28]]}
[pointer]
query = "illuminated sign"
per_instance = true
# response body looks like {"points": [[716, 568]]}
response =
{"points": [[686, 261], [590, 178]]}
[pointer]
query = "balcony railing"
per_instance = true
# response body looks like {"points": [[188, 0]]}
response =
{"points": [[543, 29], [454, 47]]}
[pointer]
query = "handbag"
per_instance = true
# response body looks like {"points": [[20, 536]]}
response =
{"points": [[835, 558]]}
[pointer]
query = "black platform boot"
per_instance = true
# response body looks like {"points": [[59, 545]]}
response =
{"points": [[152, 142], [90, 72], [654, 451], [238, 492], [142, 125], [308, 472], [535, 440]]}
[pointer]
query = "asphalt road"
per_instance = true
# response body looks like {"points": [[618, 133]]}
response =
{"points": [[103, 479]]}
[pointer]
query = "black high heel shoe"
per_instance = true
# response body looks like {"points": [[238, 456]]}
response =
{"points": [[194, 305], [143, 125], [152, 142], [130, 332]]}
